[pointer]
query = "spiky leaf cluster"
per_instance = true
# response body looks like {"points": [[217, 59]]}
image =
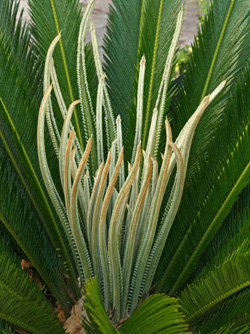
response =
{"points": [[97, 193]]}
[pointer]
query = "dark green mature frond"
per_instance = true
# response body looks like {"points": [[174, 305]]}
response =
{"points": [[230, 238], [5, 328], [33, 219], [9, 24], [12, 273], [18, 122], [212, 190], [17, 98], [17, 77], [19, 164], [220, 52], [52, 16], [223, 192], [20, 219], [221, 283], [235, 227], [157, 314], [49, 18], [91, 72], [234, 242], [232, 312], [19, 297], [25, 170], [9, 247], [231, 330], [158, 22], [20, 42], [120, 46], [146, 29], [98, 321]]}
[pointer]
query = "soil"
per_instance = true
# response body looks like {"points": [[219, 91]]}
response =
{"points": [[73, 323]]}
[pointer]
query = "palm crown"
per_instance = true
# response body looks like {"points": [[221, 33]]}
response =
{"points": [[98, 194]]}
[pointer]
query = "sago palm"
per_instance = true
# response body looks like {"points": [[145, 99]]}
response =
{"points": [[115, 188]]}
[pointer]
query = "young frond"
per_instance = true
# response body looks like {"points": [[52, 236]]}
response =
{"points": [[123, 173], [123, 253]]}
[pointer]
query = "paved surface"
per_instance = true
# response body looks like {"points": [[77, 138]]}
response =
{"points": [[99, 17]]}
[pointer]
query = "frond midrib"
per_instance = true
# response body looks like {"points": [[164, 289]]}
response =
{"points": [[66, 71], [144, 137], [41, 272], [211, 68], [203, 309], [21, 324], [206, 235], [59, 239], [245, 172]]}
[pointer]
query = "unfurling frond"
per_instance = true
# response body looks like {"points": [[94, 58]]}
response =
{"points": [[123, 253], [97, 193], [112, 220]]}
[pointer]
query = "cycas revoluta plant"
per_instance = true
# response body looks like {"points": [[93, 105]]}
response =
{"points": [[97, 194]]}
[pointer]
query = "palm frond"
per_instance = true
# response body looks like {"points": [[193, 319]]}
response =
{"points": [[49, 18], [233, 313], [231, 234], [232, 330], [122, 35], [219, 52], [98, 321], [20, 163], [124, 281], [230, 242], [217, 286], [15, 140], [98, 217], [109, 117], [223, 172], [16, 77], [5, 328], [92, 118], [28, 178], [20, 42], [156, 314], [18, 295], [145, 24], [15, 211]]}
